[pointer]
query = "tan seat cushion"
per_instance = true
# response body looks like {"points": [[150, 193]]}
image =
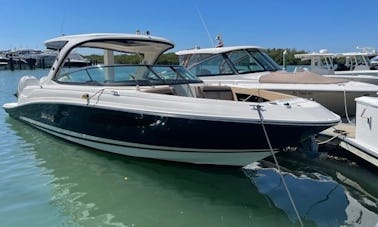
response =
{"points": [[298, 78]]}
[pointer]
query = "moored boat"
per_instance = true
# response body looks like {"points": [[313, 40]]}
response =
{"points": [[251, 67], [355, 66], [159, 111]]}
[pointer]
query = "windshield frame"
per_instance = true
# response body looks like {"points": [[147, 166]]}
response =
{"points": [[263, 60], [120, 75]]}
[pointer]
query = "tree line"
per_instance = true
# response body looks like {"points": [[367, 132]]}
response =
{"points": [[277, 55], [172, 59]]}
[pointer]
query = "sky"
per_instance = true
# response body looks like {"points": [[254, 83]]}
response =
{"points": [[310, 25]]}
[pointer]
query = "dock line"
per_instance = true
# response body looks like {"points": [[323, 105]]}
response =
{"points": [[258, 108], [337, 132], [346, 108]]}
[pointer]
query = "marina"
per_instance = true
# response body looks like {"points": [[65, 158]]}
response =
{"points": [[161, 164], [49, 187], [34, 59], [190, 113]]}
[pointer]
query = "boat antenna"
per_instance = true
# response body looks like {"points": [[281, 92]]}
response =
{"points": [[220, 41], [63, 21], [205, 27]]}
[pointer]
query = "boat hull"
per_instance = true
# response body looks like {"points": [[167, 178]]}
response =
{"points": [[365, 78], [161, 136], [358, 72], [339, 102], [339, 99]]}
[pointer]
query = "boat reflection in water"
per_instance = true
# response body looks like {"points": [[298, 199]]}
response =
{"points": [[326, 194]]}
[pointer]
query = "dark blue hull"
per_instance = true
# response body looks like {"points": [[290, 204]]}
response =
{"points": [[161, 130]]}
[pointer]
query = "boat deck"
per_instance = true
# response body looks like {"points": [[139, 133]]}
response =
{"points": [[343, 135]]}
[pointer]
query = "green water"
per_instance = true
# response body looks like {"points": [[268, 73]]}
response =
{"points": [[45, 181]]}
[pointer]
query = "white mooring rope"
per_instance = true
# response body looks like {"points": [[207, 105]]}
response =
{"points": [[258, 108], [346, 107]]}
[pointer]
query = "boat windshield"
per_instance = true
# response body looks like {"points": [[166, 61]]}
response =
{"points": [[233, 62], [374, 59], [129, 75], [252, 60]]}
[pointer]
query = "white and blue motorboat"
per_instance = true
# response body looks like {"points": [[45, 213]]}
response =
{"points": [[159, 111]]}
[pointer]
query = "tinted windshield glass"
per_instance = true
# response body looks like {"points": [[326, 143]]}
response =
{"points": [[244, 62], [128, 75], [272, 63], [252, 60], [215, 65], [192, 59], [374, 58], [234, 62]]}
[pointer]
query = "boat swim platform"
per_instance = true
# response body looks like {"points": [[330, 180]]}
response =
{"points": [[344, 136]]}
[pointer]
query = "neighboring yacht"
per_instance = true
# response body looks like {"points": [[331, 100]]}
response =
{"points": [[42, 59], [374, 63], [351, 66], [158, 111], [251, 67], [3, 59]]}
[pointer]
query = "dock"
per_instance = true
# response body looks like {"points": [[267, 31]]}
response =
{"points": [[344, 136]]}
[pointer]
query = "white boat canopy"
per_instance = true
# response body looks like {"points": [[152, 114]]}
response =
{"points": [[217, 50], [150, 47]]}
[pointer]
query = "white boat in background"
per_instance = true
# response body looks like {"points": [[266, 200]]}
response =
{"points": [[351, 66], [374, 62], [3, 60], [46, 58], [251, 67], [158, 111], [39, 58]]}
